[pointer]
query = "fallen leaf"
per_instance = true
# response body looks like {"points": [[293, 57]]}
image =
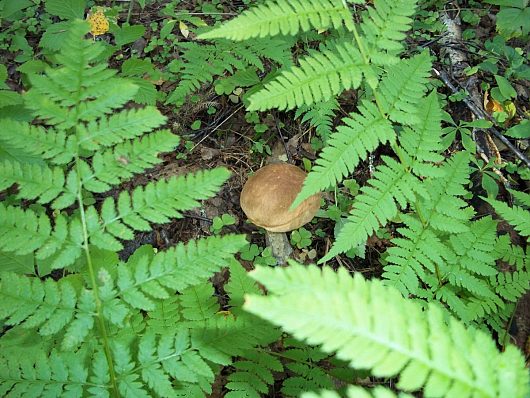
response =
{"points": [[491, 105]]}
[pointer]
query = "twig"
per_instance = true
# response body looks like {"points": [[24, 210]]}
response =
{"points": [[289, 159], [482, 115], [197, 217], [216, 128]]}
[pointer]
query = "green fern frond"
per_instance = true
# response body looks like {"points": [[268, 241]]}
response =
{"points": [[49, 306], [464, 279], [239, 285], [445, 210], [143, 281], [121, 126], [512, 254], [421, 144], [284, 17], [159, 359], [252, 375], [475, 248], [120, 163], [361, 133], [343, 315], [391, 186], [25, 231], [422, 248], [198, 303], [221, 58], [384, 26], [418, 250], [224, 336], [521, 197], [77, 91], [403, 87], [320, 76], [320, 116], [35, 181], [165, 316], [153, 203], [511, 285], [357, 392], [34, 141], [304, 367], [57, 374], [516, 216]]}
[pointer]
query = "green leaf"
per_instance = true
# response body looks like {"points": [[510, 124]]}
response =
{"points": [[66, 9], [372, 326], [505, 87], [128, 34], [521, 130], [8, 8], [283, 17], [23, 264], [513, 22], [490, 185]]}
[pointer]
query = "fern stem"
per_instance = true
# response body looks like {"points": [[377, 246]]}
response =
{"points": [[367, 61], [99, 312]]}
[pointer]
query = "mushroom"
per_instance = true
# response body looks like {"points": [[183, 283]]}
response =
{"points": [[266, 199]]}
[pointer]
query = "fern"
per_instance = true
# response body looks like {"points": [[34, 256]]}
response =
{"points": [[364, 131], [305, 370], [358, 392], [147, 327], [34, 143], [321, 75], [511, 285], [222, 57], [320, 116], [384, 27], [517, 216], [343, 315], [35, 181], [57, 374], [284, 17], [346, 147], [339, 65], [512, 254], [394, 184]]}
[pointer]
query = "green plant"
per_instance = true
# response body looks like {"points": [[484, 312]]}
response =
{"points": [[301, 238], [512, 19], [371, 326], [107, 328], [219, 222], [221, 57], [420, 189]]}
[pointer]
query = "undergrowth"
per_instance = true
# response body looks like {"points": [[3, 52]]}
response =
{"points": [[78, 321]]}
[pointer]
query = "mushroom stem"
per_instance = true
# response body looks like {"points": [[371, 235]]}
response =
{"points": [[280, 246]]}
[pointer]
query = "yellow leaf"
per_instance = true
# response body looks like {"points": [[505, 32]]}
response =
{"points": [[509, 108], [184, 29], [491, 105]]}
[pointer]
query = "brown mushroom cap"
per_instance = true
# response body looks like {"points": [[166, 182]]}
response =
{"points": [[268, 194]]}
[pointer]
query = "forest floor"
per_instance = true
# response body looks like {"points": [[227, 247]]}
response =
{"points": [[226, 138]]}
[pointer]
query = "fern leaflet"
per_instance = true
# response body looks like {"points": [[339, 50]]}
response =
{"points": [[285, 18], [320, 76], [343, 315], [517, 216]]}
